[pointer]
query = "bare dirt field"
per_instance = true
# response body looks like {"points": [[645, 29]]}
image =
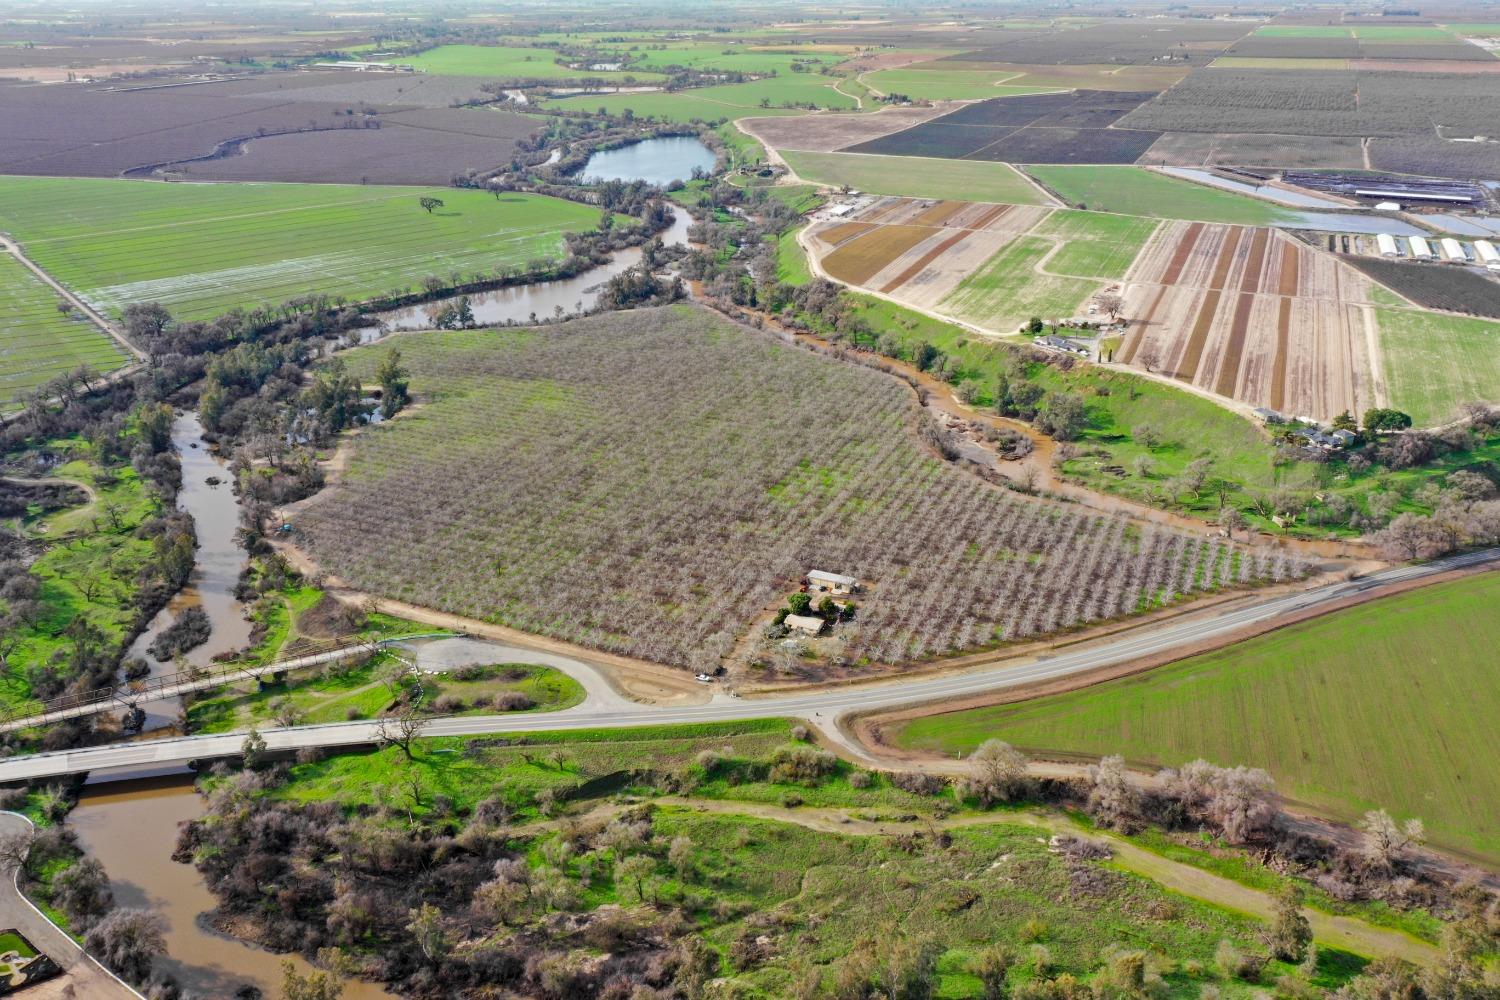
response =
{"points": [[826, 133], [1255, 316]]}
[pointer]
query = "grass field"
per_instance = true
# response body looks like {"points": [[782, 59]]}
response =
{"points": [[1008, 290], [1096, 244], [201, 249], [781, 95], [727, 58], [915, 177], [791, 259], [1134, 191], [37, 341], [508, 61], [1434, 363], [949, 85], [1387, 705]]}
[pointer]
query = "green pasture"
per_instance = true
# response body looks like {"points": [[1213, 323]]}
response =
{"points": [[1011, 287], [1132, 190], [1388, 705], [510, 61], [717, 57], [1095, 244], [38, 340], [916, 177], [789, 94], [1435, 362], [202, 249]]}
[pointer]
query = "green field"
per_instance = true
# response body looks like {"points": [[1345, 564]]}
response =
{"points": [[37, 341], [1390, 705], [1135, 191], [1096, 244], [1008, 290], [507, 61], [1435, 363], [916, 177], [948, 85], [202, 249], [774, 95], [711, 56], [791, 259]]}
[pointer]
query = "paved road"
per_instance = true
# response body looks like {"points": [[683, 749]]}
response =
{"points": [[604, 709], [87, 977]]}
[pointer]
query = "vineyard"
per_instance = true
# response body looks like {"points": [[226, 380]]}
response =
{"points": [[649, 482], [1255, 316], [37, 341]]}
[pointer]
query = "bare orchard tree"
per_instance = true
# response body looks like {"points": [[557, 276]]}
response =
{"points": [[1149, 359], [1112, 303], [401, 730]]}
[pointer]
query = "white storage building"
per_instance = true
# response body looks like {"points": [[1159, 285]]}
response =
{"points": [[1388, 246], [1453, 251], [1488, 255], [1420, 249]]}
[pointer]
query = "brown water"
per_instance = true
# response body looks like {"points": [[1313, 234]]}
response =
{"points": [[216, 513], [131, 828]]}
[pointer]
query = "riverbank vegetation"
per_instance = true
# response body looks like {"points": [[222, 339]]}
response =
{"points": [[1302, 698], [607, 863]]}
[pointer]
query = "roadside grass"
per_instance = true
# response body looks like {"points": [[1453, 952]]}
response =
{"points": [[916, 177], [203, 249], [1095, 244], [1435, 363], [511, 61], [38, 340], [791, 259], [1132, 190], [1010, 288], [1383, 705]]}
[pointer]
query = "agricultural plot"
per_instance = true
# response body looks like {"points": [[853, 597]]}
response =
{"points": [[791, 94], [993, 266], [904, 175], [1212, 149], [1434, 157], [949, 85], [1453, 289], [1255, 316], [1071, 127], [511, 62], [1127, 42], [1152, 78], [1325, 103], [1303, 700], [646, 482], [37, 341], [826, 133], [202, 249], [1134, 191], [1434, 364]]}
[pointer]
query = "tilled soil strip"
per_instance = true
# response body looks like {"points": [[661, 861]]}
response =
{"points": [[1291, 263], [1229, 367], [1181, 254], [843, 232], [927, 258], [1128, 351], [1187, 368], [862, 258], [938, 214]]}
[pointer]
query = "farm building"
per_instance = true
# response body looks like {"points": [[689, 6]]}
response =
{"points": [[811, 624], [1445, 198], [1388, 206], [1488, 255], [1388, 246], [1268, 416], [1421, 249], [833, 583], [1453, 251], [1063, 344]]}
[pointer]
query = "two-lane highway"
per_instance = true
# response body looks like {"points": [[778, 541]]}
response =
{"points": [[822, 707]]}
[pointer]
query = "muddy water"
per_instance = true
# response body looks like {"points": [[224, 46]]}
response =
{"points": [[527, 303], [131, 828], [215, 511]]}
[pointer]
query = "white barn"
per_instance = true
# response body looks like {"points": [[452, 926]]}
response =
{"points": [[1453, 251], [833, 583]]}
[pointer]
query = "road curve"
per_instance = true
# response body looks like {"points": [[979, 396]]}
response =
{"points": [[821, 707]]}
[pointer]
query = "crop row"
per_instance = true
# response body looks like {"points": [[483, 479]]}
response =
{"points": [[649, 482]]}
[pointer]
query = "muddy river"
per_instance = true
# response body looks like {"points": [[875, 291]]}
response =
{"points": [[131, 827]]}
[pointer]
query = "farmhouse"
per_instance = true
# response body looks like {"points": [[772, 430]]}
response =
{"points": [[833, 583], [1268, 416], [810, 624], [1064, 344]]}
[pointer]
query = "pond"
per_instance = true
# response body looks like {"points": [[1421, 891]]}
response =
{"points": [[131, 828], [656, 161]]}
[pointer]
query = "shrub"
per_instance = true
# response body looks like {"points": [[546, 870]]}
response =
{"points": [[447, 704], [918, 783], [802, 765], [512, 701]]}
